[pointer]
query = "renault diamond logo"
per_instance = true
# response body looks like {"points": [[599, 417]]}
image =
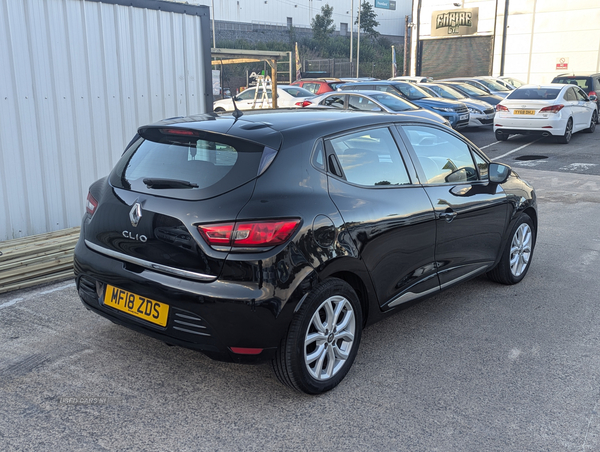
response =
{"points": [[135, 214]]}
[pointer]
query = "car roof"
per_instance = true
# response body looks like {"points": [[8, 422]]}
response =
{"points": [[268, 126]]}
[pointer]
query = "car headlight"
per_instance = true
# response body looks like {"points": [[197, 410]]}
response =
{"points": [[443, 108], [475, 111]]}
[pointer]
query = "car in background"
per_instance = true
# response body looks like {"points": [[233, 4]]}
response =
{"points": [[472, 92], [556, 110], [456, 113], [590, 83], [487, 84], [480, 113], [409, 78], [513, 83], [279, 235], [318, 86], [256, 98], [374, 101]]}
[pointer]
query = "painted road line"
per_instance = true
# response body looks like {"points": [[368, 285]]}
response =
{"points": [[14, 301], [488, 145], [517, 149]]}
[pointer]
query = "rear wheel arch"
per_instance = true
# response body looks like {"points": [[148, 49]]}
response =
{"points": [[359, 287]]}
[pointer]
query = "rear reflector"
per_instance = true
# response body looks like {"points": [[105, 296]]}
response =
{"points": [[246, 351], [249, 233], [90, 204], [552, 109]]}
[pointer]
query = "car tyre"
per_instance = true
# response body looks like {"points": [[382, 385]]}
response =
{"points": [[564, 139], [501, 136], [593, 123], [322, 341], [219, 110], [516, 257]]}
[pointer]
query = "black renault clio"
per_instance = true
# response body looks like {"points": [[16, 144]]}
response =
{"points": [[281, 235]]}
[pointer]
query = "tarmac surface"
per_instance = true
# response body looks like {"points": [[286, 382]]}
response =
{"points": [[479, 367]]}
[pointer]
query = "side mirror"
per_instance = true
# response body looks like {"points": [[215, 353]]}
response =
{"points": [[593, 97], [498, 173]]}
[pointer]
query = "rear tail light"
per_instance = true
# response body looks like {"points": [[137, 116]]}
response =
{"points": [[249, 233], [501, 108], [90, 204], [304, 103], [552, 109]]}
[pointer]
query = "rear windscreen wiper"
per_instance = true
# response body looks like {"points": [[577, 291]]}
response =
{"points": [[168, 183]]}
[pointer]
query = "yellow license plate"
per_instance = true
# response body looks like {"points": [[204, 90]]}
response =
{"points": [[524, 112], [144, 308]]}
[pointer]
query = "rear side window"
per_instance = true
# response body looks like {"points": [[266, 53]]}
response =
{"points": [[192, 167], [369, 158]]}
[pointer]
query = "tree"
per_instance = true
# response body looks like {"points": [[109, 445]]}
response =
{"points": [[367, 20], [322, 24]]}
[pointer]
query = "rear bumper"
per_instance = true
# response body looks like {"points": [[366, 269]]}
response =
{"points": [[209, 317], [551, 125]]}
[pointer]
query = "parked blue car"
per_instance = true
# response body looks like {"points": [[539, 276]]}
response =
{"points": [[455, 112]]}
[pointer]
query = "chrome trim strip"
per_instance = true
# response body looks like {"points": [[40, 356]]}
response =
{"points": [[150, 265], [460, 278], [409, 296]]}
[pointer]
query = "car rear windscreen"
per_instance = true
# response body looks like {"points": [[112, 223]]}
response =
{"points": [[187, 167], [582, 82], [534, 93]]}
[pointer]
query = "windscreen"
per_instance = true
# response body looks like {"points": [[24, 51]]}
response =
{"points": [[534, 93], [393, 102], [296, 91], [492, 85], [445, 92], [411, 91], [471, 90]]}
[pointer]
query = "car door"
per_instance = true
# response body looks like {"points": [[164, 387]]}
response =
{"points": [[471, 214], [387, 214], [586, 106]]}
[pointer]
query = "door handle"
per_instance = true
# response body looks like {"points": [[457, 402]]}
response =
{"points": [[448, 215]]}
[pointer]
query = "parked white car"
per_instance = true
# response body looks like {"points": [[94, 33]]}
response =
{"points": [[255, 98], [557, 110]]}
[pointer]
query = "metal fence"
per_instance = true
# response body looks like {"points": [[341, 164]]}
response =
{"points": [[341, 68]]}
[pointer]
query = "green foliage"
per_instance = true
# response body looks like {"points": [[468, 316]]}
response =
{"points": [[367, 20], [322, 24]]}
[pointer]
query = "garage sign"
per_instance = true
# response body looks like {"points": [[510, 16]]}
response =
{"points": [[456, 22]]}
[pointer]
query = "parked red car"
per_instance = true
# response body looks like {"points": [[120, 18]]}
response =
{"points": [[319, 86]]}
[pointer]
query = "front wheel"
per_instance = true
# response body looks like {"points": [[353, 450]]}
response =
{"points": [[516, 257], [322, 340], [564, 139]]}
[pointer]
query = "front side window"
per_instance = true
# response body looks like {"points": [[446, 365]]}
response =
{"points": [[369, 158], [443, 157]]}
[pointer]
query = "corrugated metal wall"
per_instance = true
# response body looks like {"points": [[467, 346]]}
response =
{"points": [[77, 77]]}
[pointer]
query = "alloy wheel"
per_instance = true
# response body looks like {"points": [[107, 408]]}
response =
{"points": [[520, 249], [329, 337]]}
